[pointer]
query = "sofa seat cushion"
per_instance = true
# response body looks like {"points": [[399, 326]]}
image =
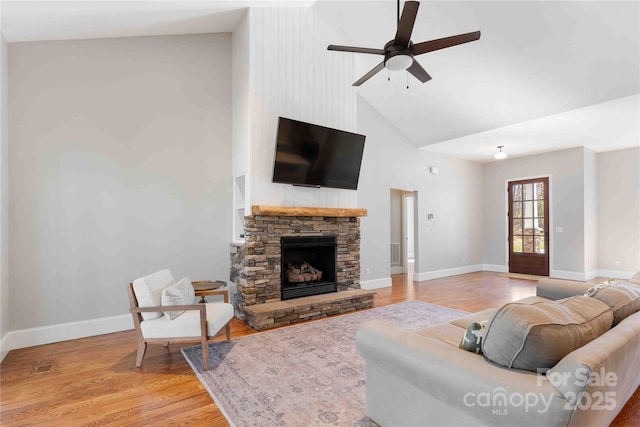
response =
{"points": [[443, 332], [623, 299], [148, 291], [188, 324], [481, 316], [537, 336]]}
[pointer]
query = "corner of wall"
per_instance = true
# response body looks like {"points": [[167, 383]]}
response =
{"points": [[4, 202]]}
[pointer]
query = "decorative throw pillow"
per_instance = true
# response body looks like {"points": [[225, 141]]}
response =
{"points": [[148, 291], [536, 336], [595, 288], [181, 293], [472, 339], [623, 299]]}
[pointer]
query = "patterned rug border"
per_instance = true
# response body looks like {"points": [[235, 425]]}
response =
{"points": [[301, 326]]}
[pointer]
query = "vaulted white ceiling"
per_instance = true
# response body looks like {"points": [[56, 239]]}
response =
{"points": [[544, 75]]}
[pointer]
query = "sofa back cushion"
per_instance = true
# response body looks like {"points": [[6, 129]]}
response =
{"points": [[148, 291], [623, 299], [537, 336]]}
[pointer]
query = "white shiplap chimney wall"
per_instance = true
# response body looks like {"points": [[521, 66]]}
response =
{"points": [[291, 74]]}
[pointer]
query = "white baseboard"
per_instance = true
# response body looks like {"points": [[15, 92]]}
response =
{"points": [[398, 270], [616, 274], [4, 347], [569, 275], [437, 274], [588, 275], [376, 283], [495, 268], [65, 331]]}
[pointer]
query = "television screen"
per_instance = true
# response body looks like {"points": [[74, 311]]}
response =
{"points": [[317, 156]]}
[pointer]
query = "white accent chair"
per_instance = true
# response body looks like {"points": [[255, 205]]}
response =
{"points": [[200, 322]]}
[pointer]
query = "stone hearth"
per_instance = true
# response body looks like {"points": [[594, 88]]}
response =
{"points": [[256, 264]]}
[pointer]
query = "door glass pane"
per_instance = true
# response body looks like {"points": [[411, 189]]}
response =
{"points": [[528, 209], [528, 227], [539, 245], [517, 192], [538, 231], [527, 244], [517, 243], [517, 227], [539, 190], [540, 208], [528, 192], [541, 224], [517, 210]]}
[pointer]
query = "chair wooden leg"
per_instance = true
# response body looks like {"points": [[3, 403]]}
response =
{"points": [[142, 348], [205, 354], [227, 330]]}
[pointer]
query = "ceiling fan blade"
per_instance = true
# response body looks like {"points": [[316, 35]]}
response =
{"points": [[445, 42], [370, 74], [419, 72], [356, 49], [405, 25]]}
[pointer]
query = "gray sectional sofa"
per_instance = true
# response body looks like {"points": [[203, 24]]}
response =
{"points": [[423, 378]]}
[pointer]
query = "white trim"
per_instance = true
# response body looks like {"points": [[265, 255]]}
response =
{"points": [[5, 346], [495, 268], [568, 275], [437, 274], [616, 274], [66, 331], [398, 270], [376, 283], [588, 275]]}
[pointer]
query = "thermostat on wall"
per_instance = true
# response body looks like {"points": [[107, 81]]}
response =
{"points": [[433, 170]]}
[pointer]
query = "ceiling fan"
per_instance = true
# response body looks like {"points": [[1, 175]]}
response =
{"points": [[399, 53]]}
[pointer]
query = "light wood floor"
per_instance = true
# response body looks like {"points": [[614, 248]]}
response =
{"points": [[94, 382]]}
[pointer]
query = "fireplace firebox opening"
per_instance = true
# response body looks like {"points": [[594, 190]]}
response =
{"points": [[308, 266]]}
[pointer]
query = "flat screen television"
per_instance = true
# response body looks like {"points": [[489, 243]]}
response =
{"points": [[317, 156]]}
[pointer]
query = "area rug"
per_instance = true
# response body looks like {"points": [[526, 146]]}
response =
{"points": [[304, 375]]}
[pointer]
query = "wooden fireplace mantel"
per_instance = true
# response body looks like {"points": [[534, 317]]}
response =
{"points": [[306, 211]]}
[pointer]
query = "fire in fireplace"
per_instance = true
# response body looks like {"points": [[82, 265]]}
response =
{"points": [[308, 266]]}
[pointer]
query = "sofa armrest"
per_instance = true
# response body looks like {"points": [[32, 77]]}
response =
{"points": [[556, 289]]}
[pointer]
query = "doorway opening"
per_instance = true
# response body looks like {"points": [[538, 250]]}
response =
{"points": [[402, 231]]}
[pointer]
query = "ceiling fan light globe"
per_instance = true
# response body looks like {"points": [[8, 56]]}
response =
{"points": [[500, 155], [398, 62]]}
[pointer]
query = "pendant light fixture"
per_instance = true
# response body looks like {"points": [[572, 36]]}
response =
{"points": [[500, 155]]}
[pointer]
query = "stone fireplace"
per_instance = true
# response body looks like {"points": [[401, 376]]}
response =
{"points": [[308, 234]]}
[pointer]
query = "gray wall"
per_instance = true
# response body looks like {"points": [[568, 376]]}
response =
{"points": [[4, 195], [566, 171], [453, 239], [120, 153], [580, 181], [618, 210]]}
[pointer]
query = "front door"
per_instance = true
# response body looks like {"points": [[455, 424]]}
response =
{"points": [[529, 226]]}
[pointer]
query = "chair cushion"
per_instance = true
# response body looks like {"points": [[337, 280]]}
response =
{"points": [[188, 324], [537, 336], [148, 291], [181, 293], [622, 298]]}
